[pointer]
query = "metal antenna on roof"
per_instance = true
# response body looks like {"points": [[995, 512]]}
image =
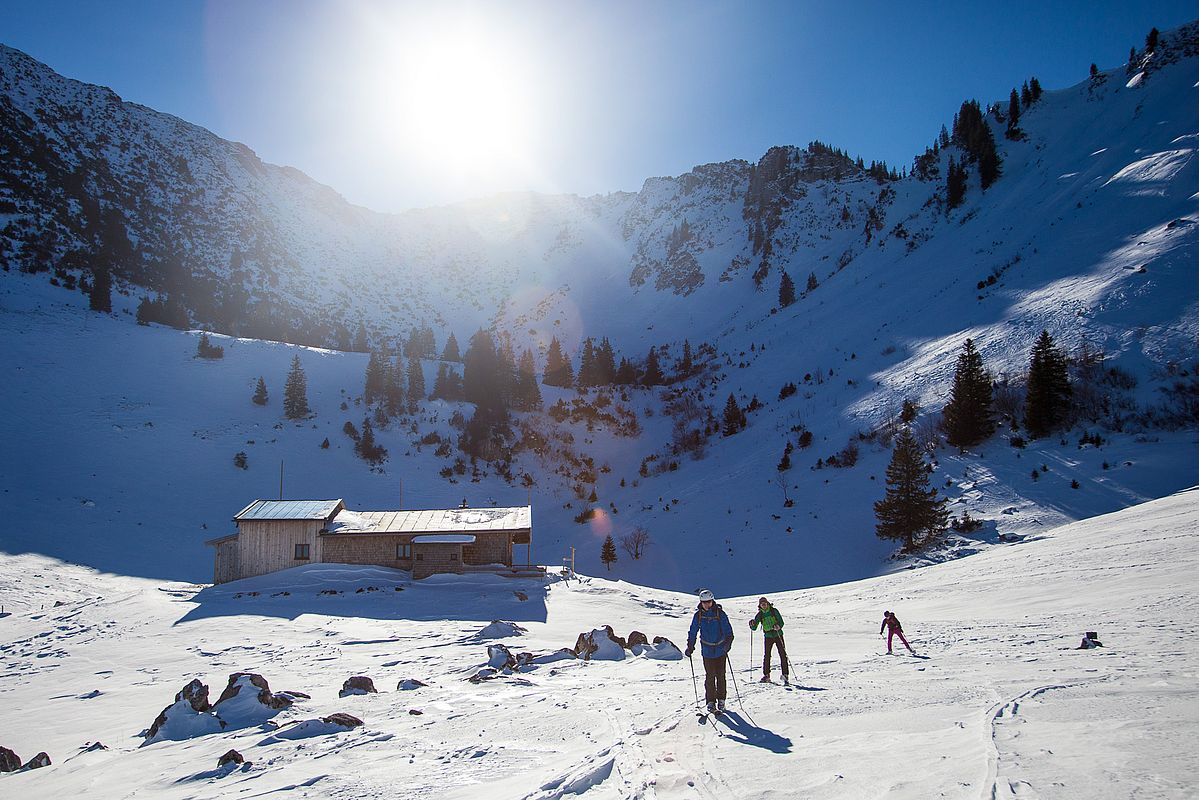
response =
{"points": [[280, 479], [401, 493]]}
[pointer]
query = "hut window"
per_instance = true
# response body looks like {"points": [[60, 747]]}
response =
{"points": [[303, 552], [420, 556], [403, 551], [453, 556]]}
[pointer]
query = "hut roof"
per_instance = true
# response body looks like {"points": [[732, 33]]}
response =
{"points": [[450, 520], [290, 509]]}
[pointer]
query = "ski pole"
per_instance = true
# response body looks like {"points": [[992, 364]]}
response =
{"points": [[751, 651], [693, 686]]}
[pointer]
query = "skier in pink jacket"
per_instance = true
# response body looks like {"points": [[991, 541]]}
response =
{"points": [[893, 628]]}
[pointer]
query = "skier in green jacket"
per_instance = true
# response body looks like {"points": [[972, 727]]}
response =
{"points": [[772, 629]]}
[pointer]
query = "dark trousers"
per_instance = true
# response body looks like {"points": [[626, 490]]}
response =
{"points": [[714, 679], [775, 641]]}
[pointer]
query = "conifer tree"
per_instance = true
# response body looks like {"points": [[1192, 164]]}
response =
{"points": [[376, 379], [206, 349], [1013, 116], [450, 352], [558, 371], [605, 363], [608, 552], [1151, 40], [393, 384], [786, 290], [968, 416], [100, 296], [528, 395], [626, 373], [1047, 401], [812, 282], [360, 342], [1034, 88], [910, 511], [734, 417], [687, 362], [416, 381], [1025, 95], [586, 376], [653, 371], [260, 395], [295, 392]]}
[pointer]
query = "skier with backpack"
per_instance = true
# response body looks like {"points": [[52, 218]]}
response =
{"points": [[772, 632], [894, 628], [715, 633]]}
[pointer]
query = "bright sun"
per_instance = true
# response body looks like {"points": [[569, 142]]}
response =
{"points": [[458, 100]]}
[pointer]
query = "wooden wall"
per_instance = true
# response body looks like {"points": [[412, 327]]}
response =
{"points": [[270, 545], [226, 568], [365, 548], [434, 559]]}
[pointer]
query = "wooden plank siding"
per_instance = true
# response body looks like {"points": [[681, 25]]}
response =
{"points": [[269, 545], [227, 566], [365, 548]]}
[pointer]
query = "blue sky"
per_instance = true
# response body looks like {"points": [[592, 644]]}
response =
{"points": [[380, 100]]}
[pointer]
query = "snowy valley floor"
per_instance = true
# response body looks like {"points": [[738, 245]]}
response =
{"points": [[1003, 705]]}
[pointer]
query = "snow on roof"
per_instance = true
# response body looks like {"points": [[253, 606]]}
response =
{"points": [[289, 509], [444, 538], [451, 520]]}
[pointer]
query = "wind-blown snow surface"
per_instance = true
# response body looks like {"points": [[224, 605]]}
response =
{"points": [[1000, 704]]}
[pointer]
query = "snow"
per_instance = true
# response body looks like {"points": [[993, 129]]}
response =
{"points": [[445, 538], [1002, 703]]}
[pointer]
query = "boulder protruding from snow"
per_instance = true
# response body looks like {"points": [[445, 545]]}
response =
{"points": [[562, 654], [342, 719], [601, 644], [358, 684], [37, 762], [9, 761], [408, 684], [499, 629], [636, 638], [248, 700], [662, 649], [500, 657], [232, 757], [190, 715]]}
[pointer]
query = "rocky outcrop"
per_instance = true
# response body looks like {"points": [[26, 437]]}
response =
{"points": [[250, 681], [9, 761], [190, 715], [601, 644], [408, 684], [344, 720], [636, 638], [37, 762], [358, 684], [231, 757]]}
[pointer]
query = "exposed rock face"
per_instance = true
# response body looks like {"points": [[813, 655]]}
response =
{"points": [[265, 696], [344, 720], [9, 761], [358, 684], [196, 694], [232, 757], [37, 762], [636, 638], [601, 643], [188, 716], [500, 657]]}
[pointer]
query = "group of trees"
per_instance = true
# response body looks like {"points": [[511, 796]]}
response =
{"points": [[911, 511], [598, 366], [633, 543]]}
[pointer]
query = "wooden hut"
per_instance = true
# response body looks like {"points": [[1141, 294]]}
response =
{"points": [[277, 534]]}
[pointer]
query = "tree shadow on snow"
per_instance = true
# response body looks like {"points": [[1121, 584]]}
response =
{"points": [[372, 593], [739, 730]]}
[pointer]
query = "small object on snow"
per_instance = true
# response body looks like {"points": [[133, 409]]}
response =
{"points": [[9, 761], [521, 596], [232, 757], [416, 712], [1090, 640], [408, 684], [358, 684], [500, 657], [37, 762], [498, 629]]}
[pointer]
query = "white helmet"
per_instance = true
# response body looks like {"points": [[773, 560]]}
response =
{"points": [[705, 594]]}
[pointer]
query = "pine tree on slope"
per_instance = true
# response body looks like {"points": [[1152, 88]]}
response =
{"points": [[260, 395], [911, 511], [295, 392], [968, 417], [1047, 401], [608, 552], [786, 290]]}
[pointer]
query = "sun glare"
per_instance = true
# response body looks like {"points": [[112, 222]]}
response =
{"points": [[455, 98]]}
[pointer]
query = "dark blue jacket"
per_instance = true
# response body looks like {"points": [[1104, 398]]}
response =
{"points": [[715, 632]]}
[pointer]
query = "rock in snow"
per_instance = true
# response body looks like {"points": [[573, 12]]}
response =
{"points": [[498, 629], [231, 757], [601, 644], [37, 762], [408, 684], [9, 761], [358, 684], [190, 715]]}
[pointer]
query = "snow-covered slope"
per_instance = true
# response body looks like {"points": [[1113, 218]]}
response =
{"points": [[124, 443], [999, 704]]}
